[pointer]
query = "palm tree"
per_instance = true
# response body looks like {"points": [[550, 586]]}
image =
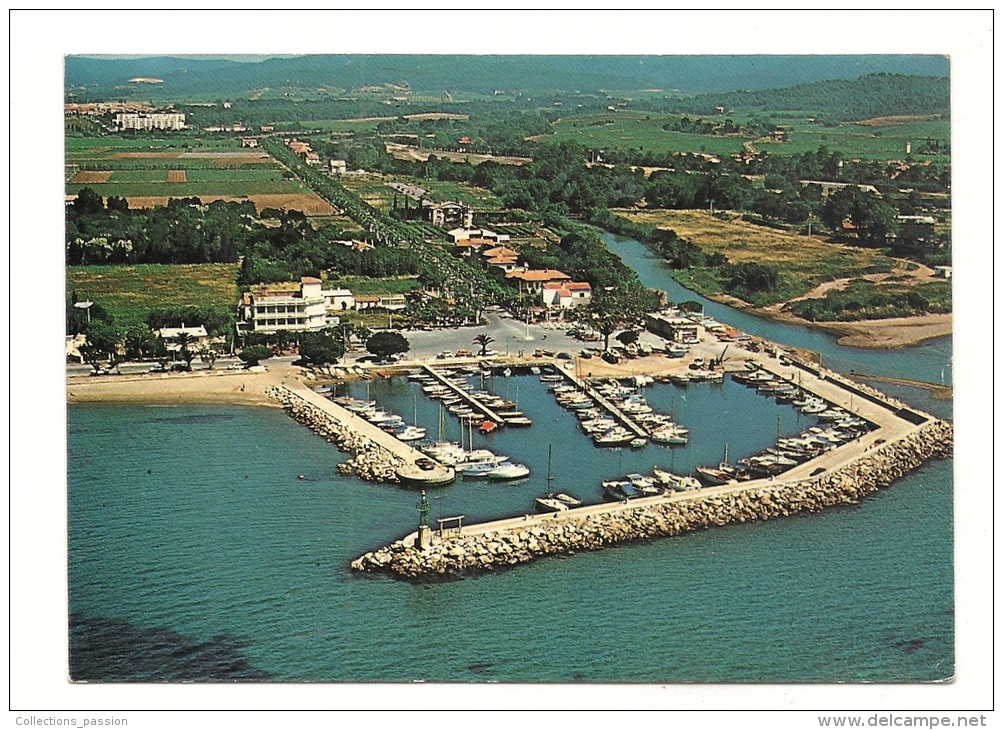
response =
{"points": [[483, 341]]}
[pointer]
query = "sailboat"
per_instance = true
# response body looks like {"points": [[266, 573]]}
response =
{"points": [[725, 473], [551, 502]]}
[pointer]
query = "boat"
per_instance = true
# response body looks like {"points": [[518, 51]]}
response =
{"points": [[411, 433], [508, 470], [676, 482], [550, 504], [518, 421], [638, 443], [487, 426], [474, 471], [619, 490], [616, 436], [669, 435], [551, 378], [680, 379]]}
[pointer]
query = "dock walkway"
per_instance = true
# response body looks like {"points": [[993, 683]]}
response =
{"points": [[359, 425], [602, 401], [467, 398]]}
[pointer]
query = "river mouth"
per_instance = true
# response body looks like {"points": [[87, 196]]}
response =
{"points": [[927, 362]]}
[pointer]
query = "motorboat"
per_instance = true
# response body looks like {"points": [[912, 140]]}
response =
{"points": [[638, 443], [508, 470], [616, 436], [411, 433]]}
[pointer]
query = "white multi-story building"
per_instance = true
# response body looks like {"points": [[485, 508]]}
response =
{"points": [[275, 308], [306, 308], [151, 120]]}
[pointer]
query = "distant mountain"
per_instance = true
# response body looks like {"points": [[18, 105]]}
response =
{"points": [[198, 77]]}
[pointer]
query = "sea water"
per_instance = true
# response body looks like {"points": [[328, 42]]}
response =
{"points": [[214, 542]]}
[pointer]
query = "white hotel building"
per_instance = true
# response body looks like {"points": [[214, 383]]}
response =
{"points": [[151, 120], [307, 308]]}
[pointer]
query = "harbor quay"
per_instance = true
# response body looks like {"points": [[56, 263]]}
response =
{"points": [[902, 439], [378, 455], [483, 547]]}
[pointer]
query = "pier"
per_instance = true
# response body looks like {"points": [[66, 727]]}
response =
{"points": [[465, 396], [619, 415], [393, 459]]}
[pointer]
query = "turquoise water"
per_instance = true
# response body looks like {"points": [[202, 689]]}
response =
{"points": [[196, 552], [928, 362]]}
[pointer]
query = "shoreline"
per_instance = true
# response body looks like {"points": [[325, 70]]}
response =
{"points": [[869, 334], [218, 386]]}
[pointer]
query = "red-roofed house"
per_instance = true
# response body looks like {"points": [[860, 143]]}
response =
{"points": [[566, 295], [532, 280]]}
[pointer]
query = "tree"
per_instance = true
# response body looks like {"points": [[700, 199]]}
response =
{"points": [[320, 348], [88, 202], [208, 356], [139, 342], [385, 344], [483, 340], [254, 354], [628, 337], [102, 342]]}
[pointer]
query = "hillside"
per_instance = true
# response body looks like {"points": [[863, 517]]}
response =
{"points": [[837, 100], [199, 78]]}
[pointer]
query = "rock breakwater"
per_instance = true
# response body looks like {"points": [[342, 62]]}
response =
{"points": [[568, 532], [370, 461]]}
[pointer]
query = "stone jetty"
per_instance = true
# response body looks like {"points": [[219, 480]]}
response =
{"points": [[474, 551], [371, 461]]}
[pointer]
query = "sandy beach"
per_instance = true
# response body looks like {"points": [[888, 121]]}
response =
{"points": [[217, 386], [871, 333]]}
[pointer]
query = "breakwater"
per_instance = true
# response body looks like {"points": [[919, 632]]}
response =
{"points": [[370, 460], [477, 550]]}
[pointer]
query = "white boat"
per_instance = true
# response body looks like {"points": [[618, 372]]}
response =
{"points": [[567, 499], [411, 433], [668, 435], [518, 421], [508, 471], [550, 504], [638, 443], [617, 436]]}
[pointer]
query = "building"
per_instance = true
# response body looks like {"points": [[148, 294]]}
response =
{"points": [[150, 120], [285, 307], [943, 272], [338, 300], [383, 302], [248, 142], [832, 187], [337, 167], [531, 281], [450, 214], [566, 296], [197, 337], [675, 329], [466, 234]]}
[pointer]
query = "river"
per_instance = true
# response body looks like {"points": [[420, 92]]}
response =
{"points": [[927, 362]]}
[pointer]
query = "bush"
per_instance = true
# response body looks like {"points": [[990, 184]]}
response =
{"points": [[254, 354]]}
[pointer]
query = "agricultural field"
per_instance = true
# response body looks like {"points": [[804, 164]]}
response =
{"points": [[128, 293], [476, 198], [626, 130], [805, 262], [148, 172], [371, 190], [877, 139], [873, 140]]}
